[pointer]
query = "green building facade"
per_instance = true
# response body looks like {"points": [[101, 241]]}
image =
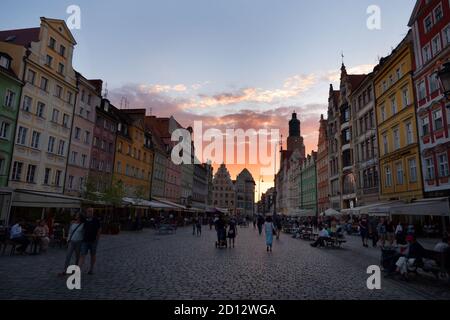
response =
{"points": [[10, 91], [308, 184]]}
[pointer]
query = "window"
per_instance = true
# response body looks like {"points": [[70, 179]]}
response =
{"points": [[17, 171], [44, 84], [89, 99], [409, 133], [51, 144], [61, 68], [119, 147], [69, 96], [393, 105], [438, 14], [5, 62], [58, 91], [35, 139], [430, 168], [61, 146], [2, 166], [383, 113], [66, 121], [87, 137], [426, 53], [119, 167], [10, 97], [83, 160], [58, 178], [388, 177], [52, 43], [434, 82], [103, 146], [412, 170], [446, 35], [73, 157], [47, 176], [422, 90], [436, 44], [385, 144], [405, 97], [425, 126], [398, 72], [396, 139], [81, 183], [428, 23], [437, 119], [70, 182], [40, 109], [77, 133], [31, 76], [443, 165], [110, 148], [48, 61], [55, 115], [4, 130], [31, 172], [399, 173], [22, 136], [62, 50]]}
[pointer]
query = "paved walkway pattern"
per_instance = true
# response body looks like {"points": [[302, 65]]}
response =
{"points": [[149, 266]]}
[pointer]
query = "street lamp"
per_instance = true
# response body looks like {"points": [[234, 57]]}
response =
{"points": [[444, 77]]}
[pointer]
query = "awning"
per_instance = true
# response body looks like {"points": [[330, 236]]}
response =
{"points": [[301, 213], [331, 213], [423, 207], [363, 209], [35, 199], [171, 204], [141, 203]]}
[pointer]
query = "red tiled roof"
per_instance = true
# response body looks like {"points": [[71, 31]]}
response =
{"points": [[22, 37], [356, 79]]}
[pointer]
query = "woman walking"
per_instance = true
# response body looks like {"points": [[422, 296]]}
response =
{"points": [[76, 235], [269, 228], [232, 232]]}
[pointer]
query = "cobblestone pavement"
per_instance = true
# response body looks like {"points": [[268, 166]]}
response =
{"points": [[150, 266]]}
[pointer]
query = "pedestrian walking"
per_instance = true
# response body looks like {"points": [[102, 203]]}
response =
{"points": [[382, 231], [390, 232], [260, 224], [232, 232], [400, 235], [92, 231], [373, 232], [74, 240], [199, 226], [364, 231], [194, 225], [270, 230], [278, 226]]}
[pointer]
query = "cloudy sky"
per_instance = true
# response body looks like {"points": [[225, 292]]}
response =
{"points": [[230, 63]]}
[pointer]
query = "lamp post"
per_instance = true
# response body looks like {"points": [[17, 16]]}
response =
{"points": [[444, 78]]}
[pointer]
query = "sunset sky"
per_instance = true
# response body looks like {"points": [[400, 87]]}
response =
{"points": [[232, 64]]}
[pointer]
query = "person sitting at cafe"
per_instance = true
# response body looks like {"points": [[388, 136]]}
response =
{"points": [[323, 235], [17, 235], [41, 234], [413, 254], [443, 245]]}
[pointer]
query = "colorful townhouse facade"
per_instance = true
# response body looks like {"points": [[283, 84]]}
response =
{"points": [[103, 146], [79, 160], [134, 154], [223, 190], [47, 105], [159, 161], [401, 177], [334, 145], [308, 196], [323, 190], [245, 194], [365, 146], [430, 27], [10, 93]]}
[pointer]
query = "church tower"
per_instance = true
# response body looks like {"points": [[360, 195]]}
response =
{"points": [[295, 139]]}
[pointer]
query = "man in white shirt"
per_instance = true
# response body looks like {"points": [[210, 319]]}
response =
{"points": [[323, 235], [16, 235]]}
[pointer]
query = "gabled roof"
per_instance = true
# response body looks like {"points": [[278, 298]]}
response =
{"points": [[356, 79], [21, 37]]}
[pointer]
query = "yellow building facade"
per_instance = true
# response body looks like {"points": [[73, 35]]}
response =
{"points": [[400, 167], [134, 154]]}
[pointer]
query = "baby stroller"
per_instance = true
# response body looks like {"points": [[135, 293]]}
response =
{"points": [[221, 239], [389, 257]]}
